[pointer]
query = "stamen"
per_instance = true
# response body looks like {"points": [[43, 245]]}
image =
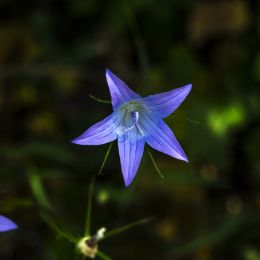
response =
{"points": [[140, 129]]}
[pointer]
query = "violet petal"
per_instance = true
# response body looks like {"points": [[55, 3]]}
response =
{"points": [[131, 148], [166, 103], [100, 133], [6, 224], [120, 92], [160, 137]]}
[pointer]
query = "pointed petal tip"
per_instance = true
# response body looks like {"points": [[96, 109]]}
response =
{"points": [[128, 182], [109, 75], [179, 156], [79, 141], [6, 224], [127, 179], [11, 226], [74, 141], [109, 72], [188, 87], [14, 226], [184, 158]]}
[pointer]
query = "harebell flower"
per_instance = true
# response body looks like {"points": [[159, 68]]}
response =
{"points": [[136, 121]]}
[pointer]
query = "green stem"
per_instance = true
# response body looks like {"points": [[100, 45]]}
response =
{"points": [[188, 119], [103, 256], [88, 213], [100, 100], [126, 227], [58, 229]]}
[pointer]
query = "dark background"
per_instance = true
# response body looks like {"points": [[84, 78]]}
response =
{"points": [[53, 55]]}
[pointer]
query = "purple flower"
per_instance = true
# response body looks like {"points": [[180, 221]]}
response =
{"points": [[6, 224], [136, 121]]}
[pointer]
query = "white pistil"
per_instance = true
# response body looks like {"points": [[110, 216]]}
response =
{"points": [[140, 129], [136, 119], [135, 122]]}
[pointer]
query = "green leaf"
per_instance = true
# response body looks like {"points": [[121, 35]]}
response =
{"points": [[229, 227], [38, 189], [36, 149]]}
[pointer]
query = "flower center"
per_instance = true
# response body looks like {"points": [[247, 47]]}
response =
{"points": [[135, 118], [131, 116]]}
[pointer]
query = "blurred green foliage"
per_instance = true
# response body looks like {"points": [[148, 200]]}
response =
{"points": [[53, 55]]}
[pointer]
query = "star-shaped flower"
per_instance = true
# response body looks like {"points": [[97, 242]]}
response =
{"points": [[6, 224], [136, 121]]}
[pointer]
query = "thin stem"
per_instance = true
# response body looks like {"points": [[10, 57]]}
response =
{"points": [[154, 164], [105, 158], [126, 227], [59, 230], [88, 213], [188, 119]]}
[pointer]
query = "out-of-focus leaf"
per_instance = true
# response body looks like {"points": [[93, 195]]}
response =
{"points": [[38, 189], [10, 204], [229, 227], [221, 121], [38, 149], [252, 254], [211, 19]]}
